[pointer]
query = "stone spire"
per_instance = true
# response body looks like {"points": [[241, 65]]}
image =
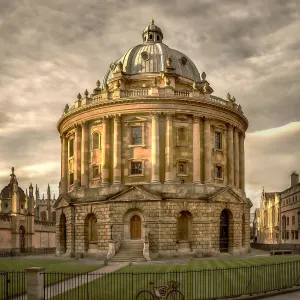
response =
{"points": [[48, 192]]}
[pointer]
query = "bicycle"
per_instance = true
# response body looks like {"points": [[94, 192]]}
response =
{"points": [[168, 292]]}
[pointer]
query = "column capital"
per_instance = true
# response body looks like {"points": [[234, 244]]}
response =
{"points": [[196, 119], [207, 119], [116, 117], [83, 123], [229, 126], [169, 115], [155, 115], [63, 135]]}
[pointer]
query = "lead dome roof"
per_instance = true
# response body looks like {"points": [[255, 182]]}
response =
{"points": [[151, 56]]}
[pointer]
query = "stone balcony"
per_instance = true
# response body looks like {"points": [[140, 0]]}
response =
{"points": [[153, 92]]}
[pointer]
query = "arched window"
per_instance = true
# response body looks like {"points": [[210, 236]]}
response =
{"points": [[96, 140], [158, 37], [44, 216], [150, 37]]}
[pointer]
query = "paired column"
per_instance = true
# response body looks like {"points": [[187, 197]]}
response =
{"points": [[230, 162], [77, 157], [64, 164], [169, 149], [84, 154], [117, 151], [196, 150], [242, 161], [236, 158], [155, 148], [207, 151], [105, 153]]}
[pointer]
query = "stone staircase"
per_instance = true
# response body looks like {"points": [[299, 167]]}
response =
{"points": [[130, 249]]}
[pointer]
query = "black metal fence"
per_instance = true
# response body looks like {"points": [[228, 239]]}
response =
{"points": [[194, 284], [10, 252], [13, 285], [271, 247]]}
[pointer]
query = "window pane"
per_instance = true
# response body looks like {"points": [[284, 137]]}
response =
{"points": [[71, 147], [218, 140], [96, 141], [136, 135], [136, 168]]}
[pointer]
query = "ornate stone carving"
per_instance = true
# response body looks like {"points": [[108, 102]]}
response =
{"points": [[86, 93], [169, 62], [203, 76], [66, 108], [79, 96], [196, 119]]}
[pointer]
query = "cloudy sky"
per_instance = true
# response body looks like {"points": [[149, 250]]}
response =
{"points": [[51, 50]]}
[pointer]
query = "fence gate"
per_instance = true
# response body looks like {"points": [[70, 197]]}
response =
{"points": [[4, 282]]}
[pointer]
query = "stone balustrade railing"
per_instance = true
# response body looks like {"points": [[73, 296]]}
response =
{"points": [[162, 92], [114, 246]]}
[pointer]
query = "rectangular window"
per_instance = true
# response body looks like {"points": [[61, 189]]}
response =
{"points": [[287, 235], [288, 221], [218, 144], [218, 172], [296, 234], [71, 178], [71, 147], [293, 220], [96, 172], [182, 168], [136, 168], [136, 135]]}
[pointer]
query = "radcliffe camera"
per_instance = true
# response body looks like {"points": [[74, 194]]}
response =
{"points": [[147, 152]]}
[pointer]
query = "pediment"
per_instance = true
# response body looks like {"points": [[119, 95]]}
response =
{"points": [[62, 201], [134, 194], [226, 195], [136, 120]]}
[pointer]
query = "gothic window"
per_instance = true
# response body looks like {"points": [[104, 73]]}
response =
{"points": [[181, 137], [96, 140], [273, 215], [96, 172], [283, 223], [218, 172], [136, 168], [71, 147], [43, 216], [136, 135], [71, 178], [218, 140]]}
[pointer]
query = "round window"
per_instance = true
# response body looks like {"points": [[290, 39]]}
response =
{"points": [[183, 60], [145, 55]]}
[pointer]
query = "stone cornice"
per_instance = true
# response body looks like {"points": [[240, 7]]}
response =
{"points": [[152, 100]]}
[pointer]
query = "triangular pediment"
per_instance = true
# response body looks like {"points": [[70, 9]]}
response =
{"points": [[62, 201], [136, 120], [134, 194], [226, 195]]}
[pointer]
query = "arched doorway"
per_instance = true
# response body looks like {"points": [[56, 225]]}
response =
{"points": [[62, 234], [224, 231], [91, 233], [135, 228], [22, 233]]}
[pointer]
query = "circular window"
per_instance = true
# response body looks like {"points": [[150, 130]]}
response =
{"points": [[145, 55], [183, 60]]}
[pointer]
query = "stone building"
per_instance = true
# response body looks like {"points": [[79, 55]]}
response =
{"points": [[269, 229], [152, 160], [21, 229], [290, 212]]}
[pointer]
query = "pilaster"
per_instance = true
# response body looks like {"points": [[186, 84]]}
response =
{"points": [[155, 148], [169, 148], [105, 152], [196, 150], [117, 150], [230, 162], [84, 154], [64, 163], [236, 158], [77, 158], [242, 160], [207, 150]]}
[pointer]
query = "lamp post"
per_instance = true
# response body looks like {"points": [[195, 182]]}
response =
{"points": [[111, 228]]}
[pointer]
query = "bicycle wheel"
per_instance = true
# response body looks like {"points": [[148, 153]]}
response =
{"points": [[175, 295], [145, 295]]}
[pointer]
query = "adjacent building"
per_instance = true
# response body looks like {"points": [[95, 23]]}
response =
{"points": [[290, 212], [153, 160], [25, 223]]}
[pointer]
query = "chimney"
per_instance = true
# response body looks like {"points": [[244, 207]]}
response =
{"points": [[294, 178]]}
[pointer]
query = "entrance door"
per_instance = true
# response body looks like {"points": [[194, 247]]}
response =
{"points": [[224, 226], [22, 239], [135, 228]]}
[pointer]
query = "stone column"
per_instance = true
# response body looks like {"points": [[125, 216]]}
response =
{"points": [[64, 164], [169, 149], [117, 150], [84, 154], [230, 162], [196, 150], [105, 152], [236, 158], [242, 160], [155, 148], [207, 151], [77, 156], [35, 283]]}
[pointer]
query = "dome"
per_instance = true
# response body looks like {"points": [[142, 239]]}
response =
{"points": [[6, 192], [151, 58]]}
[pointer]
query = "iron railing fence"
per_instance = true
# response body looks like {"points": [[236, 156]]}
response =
{"points": [[10, 252], [13, 285], [206, 284], [271, 247]]}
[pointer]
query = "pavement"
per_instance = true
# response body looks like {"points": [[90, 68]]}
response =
{"points": [[287, 296]]}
